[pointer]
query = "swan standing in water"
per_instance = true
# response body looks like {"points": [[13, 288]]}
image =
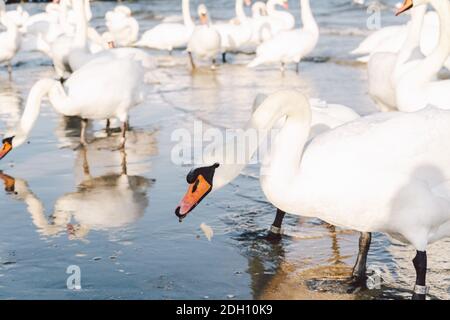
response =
{"points": [[290, 46], [234, 36], [359, 175], [415, 89], [169, 36], [100, 90], [205, 40], [9, 39]]}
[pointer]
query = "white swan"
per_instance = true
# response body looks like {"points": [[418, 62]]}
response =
{"points": [[415, 89], [358, 176], [205, 40], [259, 9], [279, 20], [234, 36], [102, 89], [290, 46], [169, 36], [9, 39], [18, 16], [123, 27], [391, 38], [385, 68]]}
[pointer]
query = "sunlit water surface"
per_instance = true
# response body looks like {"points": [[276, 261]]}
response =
{"points": [[111, 213]]}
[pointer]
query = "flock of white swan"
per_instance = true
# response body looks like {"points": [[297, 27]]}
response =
{"points": [[387, 172]]}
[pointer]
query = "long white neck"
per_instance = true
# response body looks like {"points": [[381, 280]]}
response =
{"points": [[239, 8], [187, 14], [81, 23], [412, 41], [309, 23], [87, 10], [57, 97], [288, 147], [434, 62]]}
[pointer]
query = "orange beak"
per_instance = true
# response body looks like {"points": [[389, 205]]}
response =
{"points": [[286, 5], [8, 181], [111, 45], [407, 4], [203, 19], [195, 194], [248, 2], [7, 147]]}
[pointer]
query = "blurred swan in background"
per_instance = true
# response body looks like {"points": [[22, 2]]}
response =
{"points": [[205, 42], [9, 39], [386, 68], [19, 16], [108, 202], [122, 26], [169, 36], [290, 46], [279, 20], [236, 34], [417, 88], [390, 39]]}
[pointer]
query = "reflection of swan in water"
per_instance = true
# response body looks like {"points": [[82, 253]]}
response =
{"points": [[111, 201], [141, 145], [10, 104]]}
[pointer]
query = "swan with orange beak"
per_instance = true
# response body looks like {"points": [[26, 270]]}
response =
{"points": [[407, 4], [7, 147]]}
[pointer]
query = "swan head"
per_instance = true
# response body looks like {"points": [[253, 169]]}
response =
{"points": [[248, 3], [11, 141], [203, 14], [285, 4], [408, 4], [7, 146], [200, 181]]}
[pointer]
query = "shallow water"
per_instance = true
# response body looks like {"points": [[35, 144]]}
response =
{"points": [[111, 213]]}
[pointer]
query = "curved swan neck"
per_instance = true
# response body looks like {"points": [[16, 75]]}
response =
{"points": [[434, 62], [239, 8], [187, 14], [287, 150], [309, 23], [32, 108], [414, 34], [81, 23]]}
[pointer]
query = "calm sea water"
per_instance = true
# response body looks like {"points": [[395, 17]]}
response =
{"points": [[74, 207]]}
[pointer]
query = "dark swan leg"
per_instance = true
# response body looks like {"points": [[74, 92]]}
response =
{"points": [[224, 57], [124, 134], [108, 126], [84, 123], [359, 270], [420, 264], [275, 230], [191, 60]]}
